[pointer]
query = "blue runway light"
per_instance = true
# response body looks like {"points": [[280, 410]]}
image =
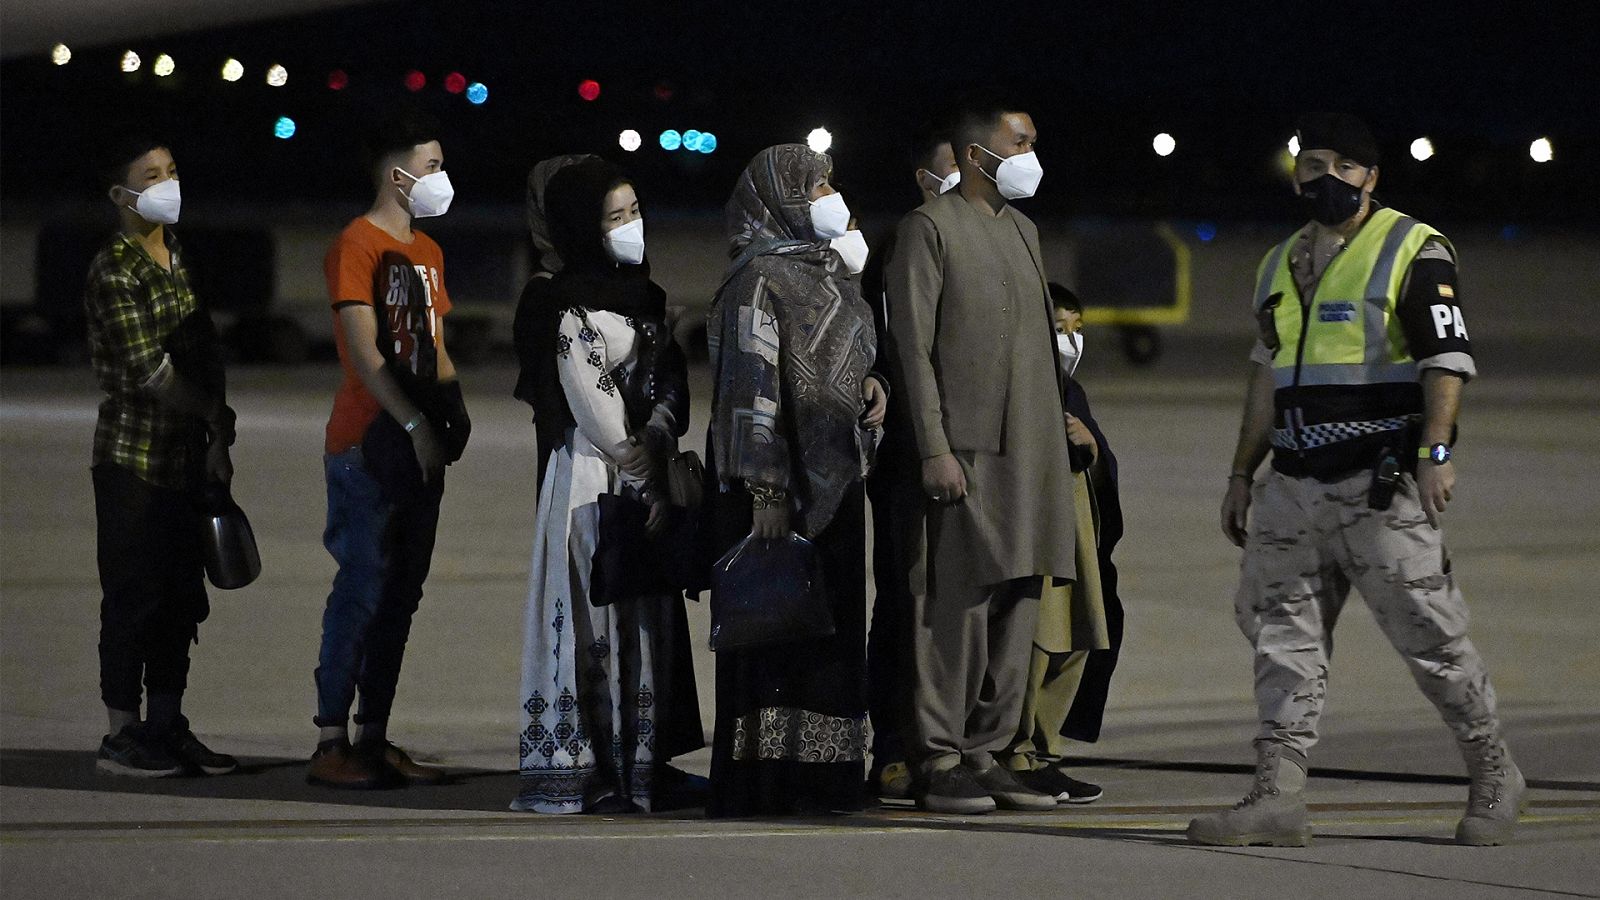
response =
{"points": [[671, 139], [691, 140], [477, 93], [1206, 231], [284, 128], [708, 142]]}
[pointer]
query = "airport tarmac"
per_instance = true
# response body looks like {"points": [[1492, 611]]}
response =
{"points": [[1387, 785]]}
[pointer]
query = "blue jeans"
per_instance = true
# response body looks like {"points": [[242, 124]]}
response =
{"points": [[383, 550]]}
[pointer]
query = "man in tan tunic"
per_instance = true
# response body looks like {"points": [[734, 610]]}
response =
{"points": [[971, 336]]}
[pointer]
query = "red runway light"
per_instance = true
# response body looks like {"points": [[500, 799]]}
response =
{"points": [[455, 82], [415, 81], [338, 80], [663, 92], [589, 90]]}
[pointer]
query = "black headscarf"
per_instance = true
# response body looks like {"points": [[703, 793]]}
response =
{"points": [[574, 204], [538, 227]]}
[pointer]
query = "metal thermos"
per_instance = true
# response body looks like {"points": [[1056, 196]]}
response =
{"points": [[232, 560]]}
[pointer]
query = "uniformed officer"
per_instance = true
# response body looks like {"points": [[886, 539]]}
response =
{"points": [[1355, 386]]}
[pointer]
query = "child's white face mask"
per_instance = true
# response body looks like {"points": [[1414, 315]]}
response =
{"points": [[1070, 348]]}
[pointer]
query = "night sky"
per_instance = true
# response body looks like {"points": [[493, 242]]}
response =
{"points": [[1226, 80]]}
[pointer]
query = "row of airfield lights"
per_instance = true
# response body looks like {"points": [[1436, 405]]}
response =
{"points": [[278, 76], [820, 140], [1540, 151], [476, 92]]}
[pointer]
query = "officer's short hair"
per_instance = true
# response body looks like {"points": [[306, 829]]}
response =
{"points": [[1340, 132]]}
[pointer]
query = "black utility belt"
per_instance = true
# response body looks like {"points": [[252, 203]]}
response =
{"points": [[1336, 463]]}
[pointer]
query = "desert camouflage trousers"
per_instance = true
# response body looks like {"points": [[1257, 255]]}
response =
{"points": [[1309, 543]]}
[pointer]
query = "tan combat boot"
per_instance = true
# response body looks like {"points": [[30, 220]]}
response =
{"points": [[1273, 814], [1496, 797]]}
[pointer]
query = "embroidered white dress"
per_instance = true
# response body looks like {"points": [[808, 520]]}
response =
{"points": [[588, 673]]}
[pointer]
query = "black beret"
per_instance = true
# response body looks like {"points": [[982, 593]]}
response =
{"points": [[1342, 133]]}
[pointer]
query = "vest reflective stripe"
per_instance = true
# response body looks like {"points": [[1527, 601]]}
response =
{"points": [[1358, 373], [1269, 268], [1352, 335], [1378, 295]]}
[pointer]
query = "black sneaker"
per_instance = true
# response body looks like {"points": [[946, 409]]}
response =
{"points": [[955, 791], [138, 753], [1009, 793], [1066, 789], [194, 755]]}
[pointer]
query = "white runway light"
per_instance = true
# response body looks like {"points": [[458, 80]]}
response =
{"points": [[232, 70], [60, 54], [130, 61], [1164, 144], [1541, 151], [163, 66], [277, 76], [820, 140], [630, 140], [1421, 149]]}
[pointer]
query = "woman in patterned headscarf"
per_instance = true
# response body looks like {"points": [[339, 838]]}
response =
{"points": [[795, 419]]}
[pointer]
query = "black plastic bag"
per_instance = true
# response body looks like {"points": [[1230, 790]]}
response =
{"points": [[629, 563], [387, 447], [768, 592]]}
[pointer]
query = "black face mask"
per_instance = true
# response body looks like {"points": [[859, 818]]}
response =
{"points": [[1329, 199]]}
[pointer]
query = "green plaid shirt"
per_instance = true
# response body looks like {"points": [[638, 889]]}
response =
{"points": [[140, 327]]}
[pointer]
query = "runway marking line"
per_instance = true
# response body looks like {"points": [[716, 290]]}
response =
{"points": [[541, 828]]}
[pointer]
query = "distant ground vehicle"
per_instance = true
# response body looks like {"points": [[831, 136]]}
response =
{"points": [[1134, 277]]}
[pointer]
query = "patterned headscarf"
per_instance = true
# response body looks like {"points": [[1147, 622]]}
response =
{"points": [[770, 210], [538, 224], [791, 340]]}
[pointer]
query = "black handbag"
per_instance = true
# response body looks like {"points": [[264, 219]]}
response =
{"points": [[686, 480], [628, 563], [768, 592]]}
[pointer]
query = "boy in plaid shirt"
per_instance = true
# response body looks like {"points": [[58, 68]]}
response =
{"points": [[163, 432]]}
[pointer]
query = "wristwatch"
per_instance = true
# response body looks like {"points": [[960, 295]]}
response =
{"points": [[1438, 453]]}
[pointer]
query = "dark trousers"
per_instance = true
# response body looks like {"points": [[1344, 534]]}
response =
{"points": [[384, 550], [891, 669], [152, 571]]}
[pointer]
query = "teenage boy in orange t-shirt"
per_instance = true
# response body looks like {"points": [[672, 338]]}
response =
{"points": [[397, 420]]}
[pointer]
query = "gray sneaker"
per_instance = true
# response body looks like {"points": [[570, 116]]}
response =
{"points": [[1494, 802], [138, 752], [1259, 820], [1009, 793], [956, 792]]}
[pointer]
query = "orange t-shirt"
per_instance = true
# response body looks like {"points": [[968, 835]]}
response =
{"points": [[367, 265]]}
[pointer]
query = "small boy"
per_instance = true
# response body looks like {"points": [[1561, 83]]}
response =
{"points": [[1080, 624]]}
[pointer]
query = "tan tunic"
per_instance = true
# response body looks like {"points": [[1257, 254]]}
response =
{"points": [[967, 294]]}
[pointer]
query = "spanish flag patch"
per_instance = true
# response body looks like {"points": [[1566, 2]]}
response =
{"points": [[1446, 290]]}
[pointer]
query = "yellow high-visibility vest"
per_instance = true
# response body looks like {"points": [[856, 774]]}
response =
{"points": [[1347, 332]]}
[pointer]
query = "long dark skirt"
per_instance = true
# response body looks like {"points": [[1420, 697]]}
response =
{"points": [[791, 718]]}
